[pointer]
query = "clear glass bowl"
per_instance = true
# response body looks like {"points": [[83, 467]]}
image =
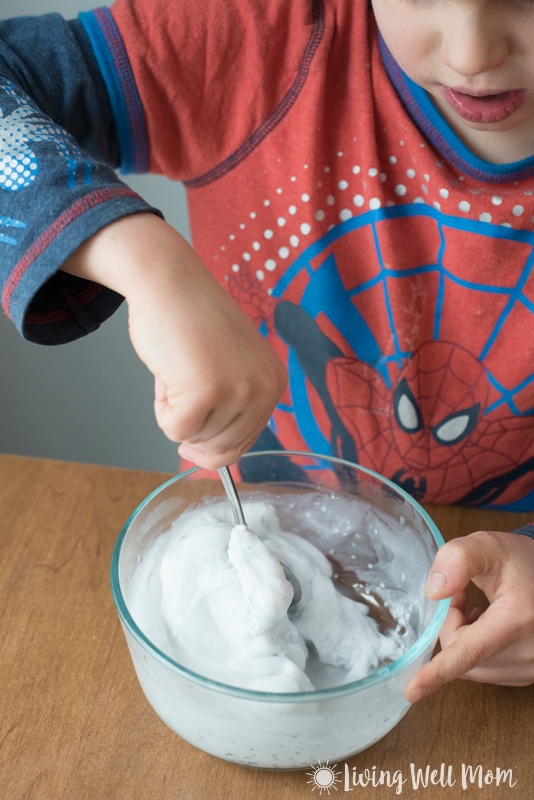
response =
{"points": [[289, 731]]}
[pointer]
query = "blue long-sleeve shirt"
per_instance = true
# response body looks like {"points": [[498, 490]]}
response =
{"points": [[59, 153]]}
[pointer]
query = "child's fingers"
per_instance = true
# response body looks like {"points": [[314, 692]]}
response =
{"points": [[226, 447], [469, 646], [215, 421], [477, 557], [211, 435], [455, 619], [491, 646], [193, 418]]}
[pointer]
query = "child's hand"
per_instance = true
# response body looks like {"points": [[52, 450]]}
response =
{"points": [[492, 646], [216, 378]]}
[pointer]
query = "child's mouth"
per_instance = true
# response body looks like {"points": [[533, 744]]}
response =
{"points": [[488, 108]]}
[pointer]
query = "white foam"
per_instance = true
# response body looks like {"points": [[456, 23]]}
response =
{"points": [[215, 598]]}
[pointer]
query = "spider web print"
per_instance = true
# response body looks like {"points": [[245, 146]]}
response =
{"points": [[473, 314], [508, 300]]}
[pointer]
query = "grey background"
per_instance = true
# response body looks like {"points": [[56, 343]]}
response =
{"points": [[90, 400]]}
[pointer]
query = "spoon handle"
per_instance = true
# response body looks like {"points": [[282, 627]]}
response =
{"points": [[239, 519], [229, 485]]}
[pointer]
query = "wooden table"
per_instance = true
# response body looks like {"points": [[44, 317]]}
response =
{"points": [[75, 725]]}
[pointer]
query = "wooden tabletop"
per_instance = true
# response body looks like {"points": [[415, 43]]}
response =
{"points": [[75, 725]]}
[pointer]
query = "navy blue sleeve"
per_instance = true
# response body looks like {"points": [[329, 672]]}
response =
{"points": [[526, 530], [59, 151]]}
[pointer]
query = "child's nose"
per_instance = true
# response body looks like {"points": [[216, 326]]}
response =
{"points": [[473, 45]]}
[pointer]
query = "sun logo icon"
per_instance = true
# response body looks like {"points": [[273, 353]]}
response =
{"points": [[324, 777]]}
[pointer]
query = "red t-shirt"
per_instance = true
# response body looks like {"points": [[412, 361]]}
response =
{"points": [[387, 265]]}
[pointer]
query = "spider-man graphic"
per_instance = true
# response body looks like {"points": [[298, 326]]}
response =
{"points": [[413, 371]]}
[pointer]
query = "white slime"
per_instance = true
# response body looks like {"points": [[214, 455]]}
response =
{"points": [[215, 598]]}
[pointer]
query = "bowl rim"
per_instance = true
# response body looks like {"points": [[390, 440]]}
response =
{"points": [[389, 671]]}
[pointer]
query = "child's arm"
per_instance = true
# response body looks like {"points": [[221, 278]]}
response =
{"points": [[216, 378], [493, 646], [66, 211]]}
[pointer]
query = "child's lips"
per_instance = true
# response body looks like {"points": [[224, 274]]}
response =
{"points": [[488, 108]]}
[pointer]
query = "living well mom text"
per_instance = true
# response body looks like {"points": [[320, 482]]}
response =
{"points": [[465, 776]]}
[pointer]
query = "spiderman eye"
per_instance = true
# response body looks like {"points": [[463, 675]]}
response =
{"points": [[406, 409], [457, 426]]}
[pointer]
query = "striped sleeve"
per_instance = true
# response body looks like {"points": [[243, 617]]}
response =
{"points": [[526, 530], [60, 146]]}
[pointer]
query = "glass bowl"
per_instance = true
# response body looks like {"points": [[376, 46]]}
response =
{"points": [[345, 510]]}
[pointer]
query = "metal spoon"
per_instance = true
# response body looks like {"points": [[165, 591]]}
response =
{"points": [[345, 581], [239, 518]]}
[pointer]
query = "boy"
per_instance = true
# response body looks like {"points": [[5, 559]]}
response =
{"points": [[365, 197]]}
